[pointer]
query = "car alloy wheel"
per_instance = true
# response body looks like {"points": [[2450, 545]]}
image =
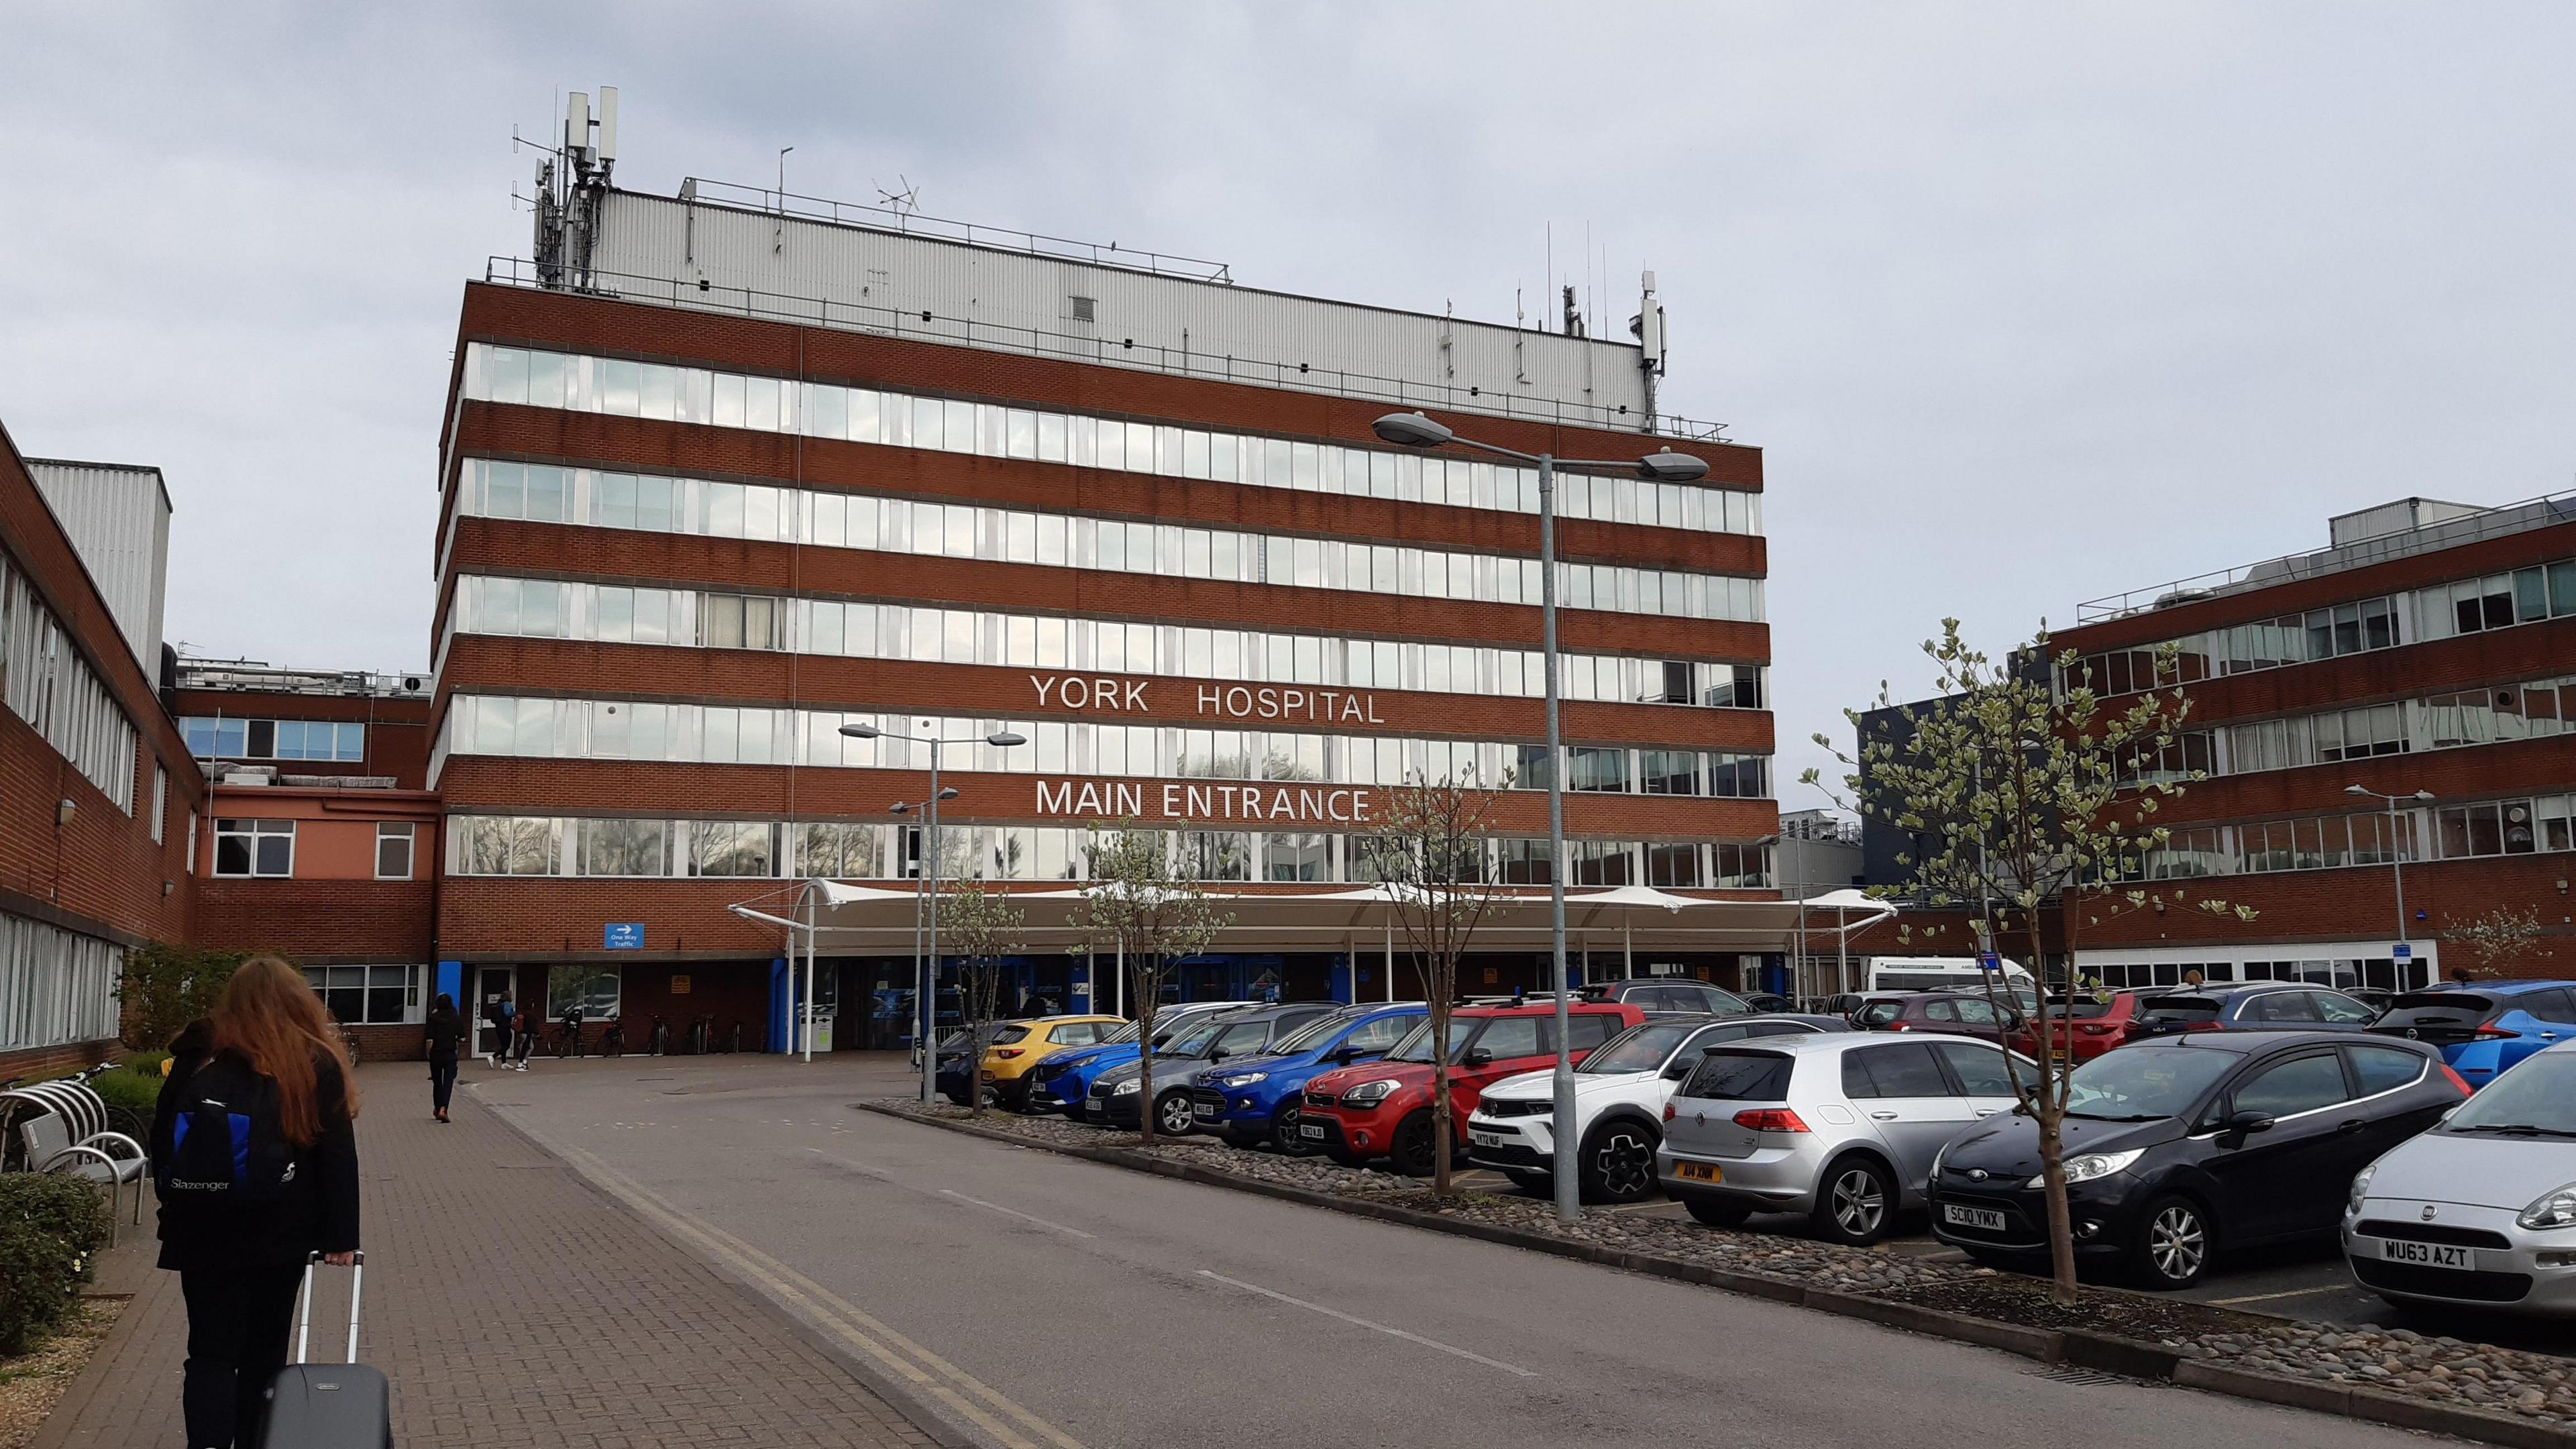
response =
{"points": [[1173, 1116], [1413, 1145], [1856, 1202], [1283, 1130], [1619, 1163], [2176, 1243]]}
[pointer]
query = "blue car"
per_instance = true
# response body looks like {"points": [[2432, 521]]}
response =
{"points": [[1252, 1100], [1069, 1075], [2483, 1029]]}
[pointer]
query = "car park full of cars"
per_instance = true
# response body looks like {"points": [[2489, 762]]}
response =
{"points": [[1117, 1095], [2258, 1006], [1066, 1082], [1021, 1048], [1380, 1109], [1619, 1096], [1664, 993], [2176, 1149], [2484, 1029], [1958, 1013], [2480, 1210], [1843, 1127], [1260, 1099]]}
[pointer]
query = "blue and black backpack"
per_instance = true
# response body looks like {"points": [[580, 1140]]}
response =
{"points": [[227, 1150]]}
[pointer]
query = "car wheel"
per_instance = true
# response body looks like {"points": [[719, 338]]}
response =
{"points": [[1173, 1116], [960, 1098], [1411, 1147], [1855, 1203], [1283, 1130], [1717, 1214], [1344, 1156], [2172, 1244], [1618, 1162], [1534, 1183]]}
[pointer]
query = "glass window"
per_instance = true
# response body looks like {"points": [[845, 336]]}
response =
{"points": [[1507, 1037], [255, 847], [1980, 1069], [2384, 1069], [393, 851], [2338, 1009], [2302, 1084], [595, 989], [1904, 1069]]}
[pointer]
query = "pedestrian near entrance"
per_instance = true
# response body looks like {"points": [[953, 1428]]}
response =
{"points": [[255, 1162], [524, 1034], [503, 1015], [444, 1031]]}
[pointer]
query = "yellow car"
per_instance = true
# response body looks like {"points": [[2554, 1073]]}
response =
{"points": [[1020, 1045]]}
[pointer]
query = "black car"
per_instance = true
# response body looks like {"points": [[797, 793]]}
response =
{"points": [[1247, 1033], [2255, 1006], [959, 1060], [2175, 1149], [1667, 994]]}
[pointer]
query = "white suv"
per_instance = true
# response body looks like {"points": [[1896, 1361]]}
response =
{"points": [[1619, 1095]]}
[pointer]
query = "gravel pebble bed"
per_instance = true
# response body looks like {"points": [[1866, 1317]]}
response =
{"points": [[2451, 1371]]}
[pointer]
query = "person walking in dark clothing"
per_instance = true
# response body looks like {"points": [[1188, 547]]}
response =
{"points": [[255, 1163], [444, 1032], [504, 1016]]}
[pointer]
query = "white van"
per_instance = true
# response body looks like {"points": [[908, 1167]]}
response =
{"points": [[1935, 973]]}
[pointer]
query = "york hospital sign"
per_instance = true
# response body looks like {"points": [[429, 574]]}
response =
{"points": [[1287, 703], [1281, 802]]}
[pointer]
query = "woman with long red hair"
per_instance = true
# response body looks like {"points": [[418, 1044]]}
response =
{"points": [[255, 1159]]}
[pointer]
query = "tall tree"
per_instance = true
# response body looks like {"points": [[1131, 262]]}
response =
{"points": [[1136, 903], [983, 927], [2019, 790], [1428, 850], [2497, 942]]}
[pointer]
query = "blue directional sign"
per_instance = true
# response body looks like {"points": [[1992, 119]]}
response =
{"points": [[622, 936], [1989, 961], [2405, 952]]}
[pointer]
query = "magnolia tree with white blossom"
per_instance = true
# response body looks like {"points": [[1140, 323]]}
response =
{"points": [[2020, 791]]}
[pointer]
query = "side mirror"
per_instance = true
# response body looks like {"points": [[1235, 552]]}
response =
{"points": [[1216, 1054], [1345, 1055], [1477, 1057], [2244, 1123], [1677, 1071]]}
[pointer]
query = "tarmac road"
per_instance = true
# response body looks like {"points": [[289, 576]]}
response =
{"points": [[1036, 1300]]}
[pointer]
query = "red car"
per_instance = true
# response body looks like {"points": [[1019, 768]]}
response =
{"points": [[2087, 1027], [1383, 1108], [1951, 1013]]}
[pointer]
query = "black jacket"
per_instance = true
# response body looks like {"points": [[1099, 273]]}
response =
{"points": [[320, 1211], [444, 1031]]}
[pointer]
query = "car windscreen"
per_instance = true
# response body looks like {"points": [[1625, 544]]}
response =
{"points": [[2442, 1008], [2139, 1083], [2078, 1008], [1122, 1036], [1728, 1075], [1192, 1041], [1880, 1013], [1416, 1046], [1315, 1033], [1641, 1049], [2535, 1099], [2182, 1009]]}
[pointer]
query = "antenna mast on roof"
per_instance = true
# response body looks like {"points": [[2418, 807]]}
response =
{"points": [[572, 188]]}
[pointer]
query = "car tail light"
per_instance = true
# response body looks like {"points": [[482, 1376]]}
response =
{"points": [[2457, 1081], [1770, 1119], [2095, 1028], [1898, 1026], [1669, 1113], [2495, 1033], [1006, 1053]]}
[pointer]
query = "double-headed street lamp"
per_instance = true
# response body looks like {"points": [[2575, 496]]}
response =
{"points": [[927, 890], [2396, 863], [1413, 430]]}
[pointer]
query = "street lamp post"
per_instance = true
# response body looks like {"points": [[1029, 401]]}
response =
{"points": [[1413, 430], [928, 891], [2396, 861]]}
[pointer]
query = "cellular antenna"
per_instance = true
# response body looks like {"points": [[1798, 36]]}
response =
{"points": [[572, 187]]}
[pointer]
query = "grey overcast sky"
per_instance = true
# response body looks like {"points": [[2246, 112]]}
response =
{"points": [[2027, 303]]}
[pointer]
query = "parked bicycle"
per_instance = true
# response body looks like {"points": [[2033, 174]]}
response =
{"points": [[659, 1042], [567, 1036], [699, 1031], [612, 1037]]}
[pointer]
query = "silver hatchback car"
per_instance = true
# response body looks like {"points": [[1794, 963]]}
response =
{"points": [[2480, 1210], [1843, 1128]]}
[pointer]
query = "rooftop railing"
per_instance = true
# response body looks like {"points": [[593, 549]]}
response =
{"points": [[707, 296], [912, 223]]}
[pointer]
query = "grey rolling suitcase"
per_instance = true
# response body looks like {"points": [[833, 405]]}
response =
{"points": [[328, 1405]]}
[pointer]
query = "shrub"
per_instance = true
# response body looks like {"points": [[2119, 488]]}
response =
{"points": [[146, 1063], [130, 1089], [51, 1229], [164, 987]]}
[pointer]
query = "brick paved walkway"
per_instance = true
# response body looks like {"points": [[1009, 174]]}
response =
{"points": [[510, 1304]]}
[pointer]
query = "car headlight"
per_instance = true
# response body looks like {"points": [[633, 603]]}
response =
{"points": [[1127, 1088], [2092, 1165], [2360, 1190], [1247, 1079], [2555, 1209], [1936, 1161], [1369, 1094]]}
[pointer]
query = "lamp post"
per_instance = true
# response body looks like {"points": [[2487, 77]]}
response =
{"points": [[2396, 862], [1413, 430], [928, 890]]}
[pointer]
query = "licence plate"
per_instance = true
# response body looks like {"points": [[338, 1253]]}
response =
{"points": [[1202, 1109], [2429, 1255], [1972, 1217], [1489, 1139], [1698, 1172], [1311, 1129]]}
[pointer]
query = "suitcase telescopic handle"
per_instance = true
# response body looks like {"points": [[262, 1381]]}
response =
{"points": [[304, 1303]]}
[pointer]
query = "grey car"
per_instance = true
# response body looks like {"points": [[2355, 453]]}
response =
{"points": [[2479, 1211], [1841, 1127]]}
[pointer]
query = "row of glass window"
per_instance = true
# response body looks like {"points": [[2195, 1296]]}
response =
{"points": [[2436, 611], [550, 494], [2519, 826], [48, 684], [56, 986], [554, 609], [266, 848], [226, 738], [2493, 714], [369, 995], [726, 734], [2346, 973], [504, 845], [905, 420]]}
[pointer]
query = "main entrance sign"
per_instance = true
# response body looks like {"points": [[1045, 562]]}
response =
{"points": [[1273, 804], [1107, 694]]}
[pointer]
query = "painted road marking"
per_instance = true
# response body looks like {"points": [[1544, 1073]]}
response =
{"points": [[1365, 1323], [1016, 1213], [845, 1322], [2268, 1297]]}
